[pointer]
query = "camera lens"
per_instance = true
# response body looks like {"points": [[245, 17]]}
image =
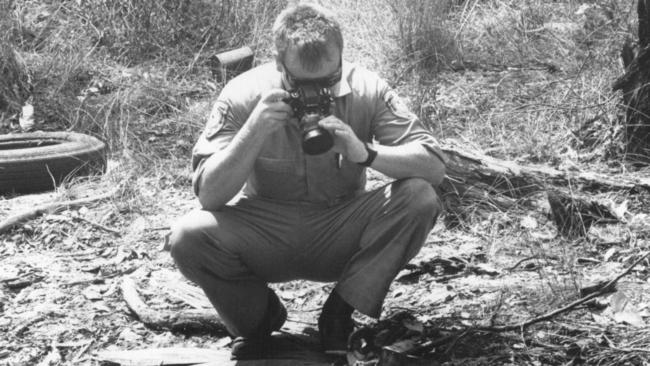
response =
{"points": [[316, 141]]}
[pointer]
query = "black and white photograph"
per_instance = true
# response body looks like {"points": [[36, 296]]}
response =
{"points": [[324, 183]]}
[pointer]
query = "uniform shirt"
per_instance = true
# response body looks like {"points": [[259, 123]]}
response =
{"points": [[282, 170]]}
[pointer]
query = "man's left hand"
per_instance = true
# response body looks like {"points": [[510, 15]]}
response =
{"points": [[346, 141]]}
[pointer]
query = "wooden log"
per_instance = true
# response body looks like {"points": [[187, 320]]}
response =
{"points": [[185, 321], [478, 183], [20, 218], [199, 356], [164, 356], [467, 168]]}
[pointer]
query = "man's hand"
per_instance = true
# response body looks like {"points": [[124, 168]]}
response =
{"points": [[271, 112], [346, 141]]}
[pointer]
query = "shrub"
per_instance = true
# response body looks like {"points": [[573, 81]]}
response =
{"points": [[137, 30], [111, 68], [423, 32]]}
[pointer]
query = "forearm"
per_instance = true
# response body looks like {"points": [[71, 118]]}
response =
{"points": [[407, 161], [225, 173]]}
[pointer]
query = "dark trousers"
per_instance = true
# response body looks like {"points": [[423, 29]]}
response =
{"points": [[361, 244]]}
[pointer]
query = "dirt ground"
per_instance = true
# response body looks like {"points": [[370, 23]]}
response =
{"points": [[60, 300]]}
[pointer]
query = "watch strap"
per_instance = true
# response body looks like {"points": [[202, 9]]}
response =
{"points": [[372, 154]]}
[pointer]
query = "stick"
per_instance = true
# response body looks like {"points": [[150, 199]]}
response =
{"points": [[604, 289], [99, 226], [455, 337], [520, 262], [200, 321], [49, 207]]}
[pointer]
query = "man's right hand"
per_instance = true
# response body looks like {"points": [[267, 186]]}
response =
{"points": [[271, 112]]}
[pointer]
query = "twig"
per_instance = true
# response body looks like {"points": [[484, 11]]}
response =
{"points": [[81, 352], [36, 319], [26, 280], [98, 225], [455, 337], [520, 262], [50, 207], [582, 300], [93, 281]]}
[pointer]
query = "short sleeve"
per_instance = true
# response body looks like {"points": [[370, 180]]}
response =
{"points": [[394, 124], [219, 130], [223, 123]]}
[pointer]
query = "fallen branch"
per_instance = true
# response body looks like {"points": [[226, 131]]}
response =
{"points": [[185, 321], [471, 168], [50, 208], [26, 280], [418, 346], [445, 269], [476, 182], [603, 290]]}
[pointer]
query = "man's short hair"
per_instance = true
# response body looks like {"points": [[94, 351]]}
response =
{"points": [[310, 28]]}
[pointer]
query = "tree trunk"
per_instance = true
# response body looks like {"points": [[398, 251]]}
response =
{"points": [[14, 83], [635, 85]]}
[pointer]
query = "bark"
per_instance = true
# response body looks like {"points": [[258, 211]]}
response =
{"points": [[468, 168], [573, 216], [635, 85], [476, 182], [14, 82], [186, 321]]}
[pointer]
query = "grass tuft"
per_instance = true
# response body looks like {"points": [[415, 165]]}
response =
{"points": [[424, 33]]}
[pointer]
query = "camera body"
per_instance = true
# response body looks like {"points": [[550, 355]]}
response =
{"points": [[310, 104]]}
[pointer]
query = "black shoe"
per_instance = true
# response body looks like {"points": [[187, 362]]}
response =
{"points": [[251, 348], [258, 345], [335, 325], [334, 334]]}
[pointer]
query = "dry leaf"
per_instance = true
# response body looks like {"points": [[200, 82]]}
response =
{"points": [[26, 120], [630, 317], [528, 223], [609, 253], [624, 311], [438, 296]]}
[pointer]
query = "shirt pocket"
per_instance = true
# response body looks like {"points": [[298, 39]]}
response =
{"points": [[278, 178]]}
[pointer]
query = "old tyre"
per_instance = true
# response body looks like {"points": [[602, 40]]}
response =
{"points": [[39, 161]]}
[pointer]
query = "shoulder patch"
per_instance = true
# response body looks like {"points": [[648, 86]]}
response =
{"points": [[216, 120], [397, 105]]}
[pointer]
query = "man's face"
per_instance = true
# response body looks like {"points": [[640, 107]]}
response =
{"points": [[328, 74]]}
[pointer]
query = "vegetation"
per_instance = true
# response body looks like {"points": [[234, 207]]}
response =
{"points": [[528, 81]]}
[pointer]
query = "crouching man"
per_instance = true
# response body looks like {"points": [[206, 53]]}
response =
{"points": [[297, 134]]}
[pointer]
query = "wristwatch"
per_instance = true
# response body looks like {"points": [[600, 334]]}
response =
{"points": [[372, 154]]}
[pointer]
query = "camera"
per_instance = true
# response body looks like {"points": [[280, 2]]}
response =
{"points": [[310, 104]]}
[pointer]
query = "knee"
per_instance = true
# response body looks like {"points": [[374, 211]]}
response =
{"points": [[420, 198], [185, 240]]}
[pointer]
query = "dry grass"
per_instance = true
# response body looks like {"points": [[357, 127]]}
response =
{"points": [[534, 70], [516, 79], [425, 33], [114, 69]]}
